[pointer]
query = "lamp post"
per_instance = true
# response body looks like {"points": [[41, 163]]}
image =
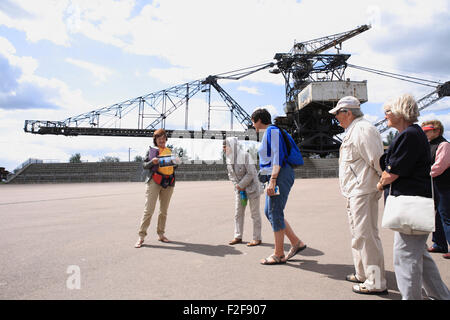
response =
{"points": [[129, 150]]}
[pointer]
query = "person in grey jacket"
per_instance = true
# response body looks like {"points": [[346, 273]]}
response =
{"points": [[242, 172]]}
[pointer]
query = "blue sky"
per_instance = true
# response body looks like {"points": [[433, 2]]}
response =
{"points": [[62, 58]]}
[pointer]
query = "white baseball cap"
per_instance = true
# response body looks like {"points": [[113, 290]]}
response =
{"points": [[346, 102]]}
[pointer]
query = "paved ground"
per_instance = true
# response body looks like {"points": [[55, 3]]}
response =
{"points": [[50, 232]]}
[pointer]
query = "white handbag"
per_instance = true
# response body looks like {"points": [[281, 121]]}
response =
{"points": [[409, 214]]}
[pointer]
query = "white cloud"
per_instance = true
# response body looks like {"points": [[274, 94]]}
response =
{"points": [[26, 90], [27, 65], [100, 73], [101, 20], [251, 39], [440, 105], [175, 76], [6, 47], [272, 110], [251, 90], [44, 21], [24, 96], [371, 118], [198, 38]]}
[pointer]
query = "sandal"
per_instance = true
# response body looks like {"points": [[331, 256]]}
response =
{"points": [[254, 243], [353, 278], [362, 289], [273, 259], [235, 241], [163, 239], [139, 243], [295, 249]]}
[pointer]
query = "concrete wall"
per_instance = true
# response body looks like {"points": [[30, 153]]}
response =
{"points": [[133, 171]]}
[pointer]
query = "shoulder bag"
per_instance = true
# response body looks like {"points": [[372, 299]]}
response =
{"points": [[413, 215]]}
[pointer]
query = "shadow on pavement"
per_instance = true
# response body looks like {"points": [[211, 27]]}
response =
{"points": [[206, 249], [308, 252], [340, 271]]}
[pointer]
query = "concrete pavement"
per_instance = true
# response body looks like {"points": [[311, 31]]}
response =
{"points": [[54, 238]]}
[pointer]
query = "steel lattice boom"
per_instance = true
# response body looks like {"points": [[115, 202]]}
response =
{"points": [[321, 44], [441, 91], [152, 110], [313, 129]]}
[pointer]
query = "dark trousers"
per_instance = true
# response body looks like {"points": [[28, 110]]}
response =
{"points": [[441, 236]]}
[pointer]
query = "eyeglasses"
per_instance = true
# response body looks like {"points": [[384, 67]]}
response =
{"points": [[386, 112], [341, 110]]}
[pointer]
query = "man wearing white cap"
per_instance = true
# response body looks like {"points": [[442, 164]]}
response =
{"points": [[359, 172]]}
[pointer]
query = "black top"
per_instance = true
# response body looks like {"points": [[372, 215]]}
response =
{"points": [[409, 157], [443, 180]]}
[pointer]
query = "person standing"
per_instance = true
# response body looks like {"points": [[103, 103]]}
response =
{"points": [[440, 171], [407, 172], [277, 173], [359, 171], [243, 175], [160, 185]]}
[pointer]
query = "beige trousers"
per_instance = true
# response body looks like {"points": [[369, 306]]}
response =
{"points": [[152, 193], [367, 249], [240, 214]]}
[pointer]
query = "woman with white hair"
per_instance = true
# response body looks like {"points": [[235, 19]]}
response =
{"points": [[242, 172], [406, 168]]}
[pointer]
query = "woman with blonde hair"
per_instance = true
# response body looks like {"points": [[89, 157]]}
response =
{"points": [[160, 184], [407, 172]]}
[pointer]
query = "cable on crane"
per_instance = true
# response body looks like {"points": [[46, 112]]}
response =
{"points": [[397, 76], [240, 72]]}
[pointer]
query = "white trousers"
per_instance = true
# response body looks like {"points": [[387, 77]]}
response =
{"points": [[367, 249]]}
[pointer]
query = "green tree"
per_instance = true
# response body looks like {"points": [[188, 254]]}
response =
{"points": [[75, 158], [253, 151], [390, 137], [109, 159], [138, 159]]}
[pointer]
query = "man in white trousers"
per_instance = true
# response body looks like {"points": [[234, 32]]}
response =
{"points": [[359, 172]]}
